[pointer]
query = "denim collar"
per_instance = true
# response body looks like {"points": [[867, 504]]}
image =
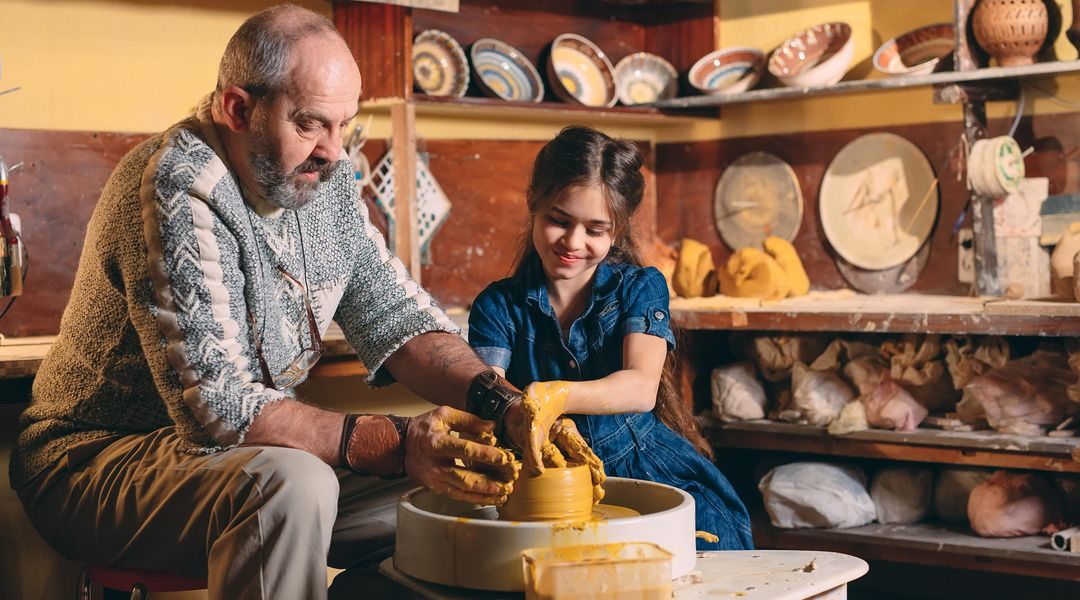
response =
{"points": [[606, 282]]}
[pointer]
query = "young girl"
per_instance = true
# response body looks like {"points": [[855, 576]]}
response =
{"points": [[581, 307]]}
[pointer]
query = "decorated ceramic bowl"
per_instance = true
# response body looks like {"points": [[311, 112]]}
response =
{"points": [[439, 65], [580, 72], [504, 72], [643, 78], [728, 71], [916, 52], [816, 57]]}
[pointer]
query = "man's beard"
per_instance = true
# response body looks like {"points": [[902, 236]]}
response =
{"points": [[286, 191]]}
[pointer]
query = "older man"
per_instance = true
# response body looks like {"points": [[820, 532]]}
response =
{"points": [[163, 433]]}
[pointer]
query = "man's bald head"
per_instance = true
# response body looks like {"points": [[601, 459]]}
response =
{"points": [[257, 58]]}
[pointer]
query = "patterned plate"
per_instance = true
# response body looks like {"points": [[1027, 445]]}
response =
{"points": [[504, 72], [878, 201], [916, 52], [580, 72], [758, 195], [439, 65], [643, 78]]}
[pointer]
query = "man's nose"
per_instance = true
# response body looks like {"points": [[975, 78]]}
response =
{"points": [[329, 145]]}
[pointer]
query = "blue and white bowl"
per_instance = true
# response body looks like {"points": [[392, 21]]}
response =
{"points": [[643, 78], [504, 72], [728, 71]]}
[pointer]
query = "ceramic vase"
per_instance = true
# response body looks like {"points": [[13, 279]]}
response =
{"points": [[1011, 31], [1073, 33]]}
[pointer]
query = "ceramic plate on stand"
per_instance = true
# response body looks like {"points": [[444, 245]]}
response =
{"points": [[893, 280], [878, 201], [758, 195], [439, 65]]}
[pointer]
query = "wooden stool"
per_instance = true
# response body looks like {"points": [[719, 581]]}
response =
{"points": [[141, 583]]}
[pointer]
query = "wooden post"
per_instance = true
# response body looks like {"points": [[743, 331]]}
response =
{"points": [[987, 282], [406, 232]]}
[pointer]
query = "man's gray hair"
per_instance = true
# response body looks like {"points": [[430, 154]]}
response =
{"points": [[257, 56]]}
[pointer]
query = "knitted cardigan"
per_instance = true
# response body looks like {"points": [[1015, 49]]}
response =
{"points": [[175, 269]]}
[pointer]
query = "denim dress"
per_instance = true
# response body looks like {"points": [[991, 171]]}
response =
{"points": [[513, 326]]}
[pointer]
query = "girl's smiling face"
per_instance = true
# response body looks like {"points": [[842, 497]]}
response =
{"points": [[574, 234]]}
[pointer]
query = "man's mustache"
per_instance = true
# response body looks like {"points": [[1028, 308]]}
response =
{"points": [[313, 165]]}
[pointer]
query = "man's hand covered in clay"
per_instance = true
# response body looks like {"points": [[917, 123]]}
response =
{"points": [[431, 450]]}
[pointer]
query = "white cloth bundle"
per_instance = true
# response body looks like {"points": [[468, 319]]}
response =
{"points": [[902, 495], [812, 494], [737, 394]]}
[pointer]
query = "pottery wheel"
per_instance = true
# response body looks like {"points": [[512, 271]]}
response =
{"points": [[445, 541]]}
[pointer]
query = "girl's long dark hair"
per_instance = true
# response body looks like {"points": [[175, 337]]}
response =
{"points": [[583, 156]]}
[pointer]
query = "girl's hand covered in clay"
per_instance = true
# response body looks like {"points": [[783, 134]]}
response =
{"points": [[545, 439], [566, 439], [529, 427]]}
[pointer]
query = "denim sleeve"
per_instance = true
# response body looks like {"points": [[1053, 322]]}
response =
{"points": [[490, 329], [645, 308]]}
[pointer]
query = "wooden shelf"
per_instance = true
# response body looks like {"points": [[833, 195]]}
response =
{"points": [[979, 448], [931, 544], [886, 313], [555, 112], [877, 85]]}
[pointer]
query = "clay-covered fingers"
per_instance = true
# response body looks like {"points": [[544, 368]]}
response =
{"points": [[552, 457], [493, 461], [543, 403], [470, 486], [565, 435]]}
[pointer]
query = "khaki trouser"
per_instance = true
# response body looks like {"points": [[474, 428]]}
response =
{"points": [[258, 522]]}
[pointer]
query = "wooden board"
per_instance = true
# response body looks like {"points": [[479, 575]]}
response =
{"points": [[930, 544], [977, 448], [881, 313], [21, 357]]}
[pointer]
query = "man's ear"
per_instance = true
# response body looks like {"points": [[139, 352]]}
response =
{"points": [[236, 106]]}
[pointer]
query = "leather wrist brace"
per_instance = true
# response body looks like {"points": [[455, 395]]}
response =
{"points": [[490, 396], [374, 444]]}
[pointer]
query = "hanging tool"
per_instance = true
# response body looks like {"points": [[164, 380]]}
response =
{"points": [[12, 252]]}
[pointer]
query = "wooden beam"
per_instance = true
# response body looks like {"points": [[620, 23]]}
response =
{"points": [[406, 232]]}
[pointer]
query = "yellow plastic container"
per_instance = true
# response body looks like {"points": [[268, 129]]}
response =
{"points": [[630, 571]]}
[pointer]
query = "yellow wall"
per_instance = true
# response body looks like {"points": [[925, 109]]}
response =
{"points": [[139, 65], [114, 65]]}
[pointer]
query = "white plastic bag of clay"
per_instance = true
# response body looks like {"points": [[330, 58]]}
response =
{"points": [[737, 394], [818, 395], [812, 494], [902, 495], [889, 406], [951, 492]]}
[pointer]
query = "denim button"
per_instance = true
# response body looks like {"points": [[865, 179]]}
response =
{"points": [[659, 315], [573, 364]]}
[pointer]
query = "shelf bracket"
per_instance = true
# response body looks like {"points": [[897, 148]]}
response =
{"points": [[989, 91]]}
